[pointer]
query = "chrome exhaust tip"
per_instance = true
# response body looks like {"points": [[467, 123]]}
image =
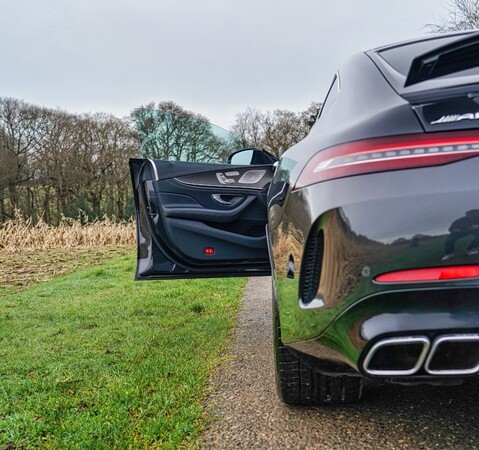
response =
{"points": [[397, 356], [454, 355]]}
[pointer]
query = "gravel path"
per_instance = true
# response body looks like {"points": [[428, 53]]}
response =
{"points": [[247, 413]]}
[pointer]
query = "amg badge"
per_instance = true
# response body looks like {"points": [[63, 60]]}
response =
{"points": [[456, 118]]}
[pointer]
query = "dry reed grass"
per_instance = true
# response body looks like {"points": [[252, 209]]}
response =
{"points": [[20, 234], [286, 245]]}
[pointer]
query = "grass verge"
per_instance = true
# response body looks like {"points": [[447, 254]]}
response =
{"points": [[92, 359]]}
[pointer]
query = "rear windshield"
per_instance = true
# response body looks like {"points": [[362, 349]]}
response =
{"points": [[401, 57]]}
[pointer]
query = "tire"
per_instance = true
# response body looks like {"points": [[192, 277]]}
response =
{"points": [[299, 384]]}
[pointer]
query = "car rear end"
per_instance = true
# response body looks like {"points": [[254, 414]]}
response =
{"points": [[379, 233]]}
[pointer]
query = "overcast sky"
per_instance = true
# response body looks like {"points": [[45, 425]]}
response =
{"points": [[215, 57]]}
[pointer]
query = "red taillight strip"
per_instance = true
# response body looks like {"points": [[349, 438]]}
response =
{"points": [[385, 154], [429, 274]]}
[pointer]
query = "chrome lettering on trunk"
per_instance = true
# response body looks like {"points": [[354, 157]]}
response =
{"points": [[456, 118]]}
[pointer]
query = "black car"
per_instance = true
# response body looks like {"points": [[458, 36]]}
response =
{"points": [[369, 226]]}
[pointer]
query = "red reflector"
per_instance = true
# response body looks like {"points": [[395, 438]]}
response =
{"points": [[391, 153], [209, 251], [429, 274]]}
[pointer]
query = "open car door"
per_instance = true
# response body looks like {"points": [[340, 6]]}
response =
{"points": [[200, 219]]}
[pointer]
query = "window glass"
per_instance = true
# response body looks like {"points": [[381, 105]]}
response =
{"points": [[182, 136], [242, 158], [331, 96], [400, 57]]}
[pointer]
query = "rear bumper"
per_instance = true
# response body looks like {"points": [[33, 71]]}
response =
{"points": [[430, 314], [374, 224]]}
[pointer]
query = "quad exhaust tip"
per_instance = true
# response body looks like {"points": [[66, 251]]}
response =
{"points": [[453, 354], [397, 356]]}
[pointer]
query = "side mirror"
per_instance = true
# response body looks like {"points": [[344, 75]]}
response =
{"points": [[251, 157]]}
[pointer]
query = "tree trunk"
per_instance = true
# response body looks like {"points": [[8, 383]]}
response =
{"points": [[13, 198], [3, 212], [120, 202], [46, 206]]}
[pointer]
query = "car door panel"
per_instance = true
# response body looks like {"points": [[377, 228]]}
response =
{"points": [[193, 223], [227, 246]]}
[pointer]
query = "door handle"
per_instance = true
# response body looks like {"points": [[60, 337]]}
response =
{"points": [[228, 200]]}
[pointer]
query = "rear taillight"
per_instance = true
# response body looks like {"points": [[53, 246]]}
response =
{"points": [[429, 274], [391, 153]]}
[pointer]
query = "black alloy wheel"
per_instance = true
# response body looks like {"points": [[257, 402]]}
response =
{"points": [[300, 384]]}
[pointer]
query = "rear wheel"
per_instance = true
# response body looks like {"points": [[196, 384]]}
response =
{"points": [[299, 383]]}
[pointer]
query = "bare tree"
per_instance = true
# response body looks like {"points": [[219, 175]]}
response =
{"points": [[282, 129], [105, 144], [310, 114], [277, 130], [19, 125], [460, 15], [57, 165], [53, 163], [248, 126], [168, 131]]}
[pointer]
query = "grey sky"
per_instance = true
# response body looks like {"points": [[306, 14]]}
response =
{"points": [[215, 57]]}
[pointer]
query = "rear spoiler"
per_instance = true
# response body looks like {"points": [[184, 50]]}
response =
{"points": [[459, 55]]}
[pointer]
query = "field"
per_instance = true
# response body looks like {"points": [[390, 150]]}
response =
{"points": [[91, 359]]}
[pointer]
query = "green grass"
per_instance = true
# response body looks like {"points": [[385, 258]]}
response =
{"points": [[94, 360]]}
